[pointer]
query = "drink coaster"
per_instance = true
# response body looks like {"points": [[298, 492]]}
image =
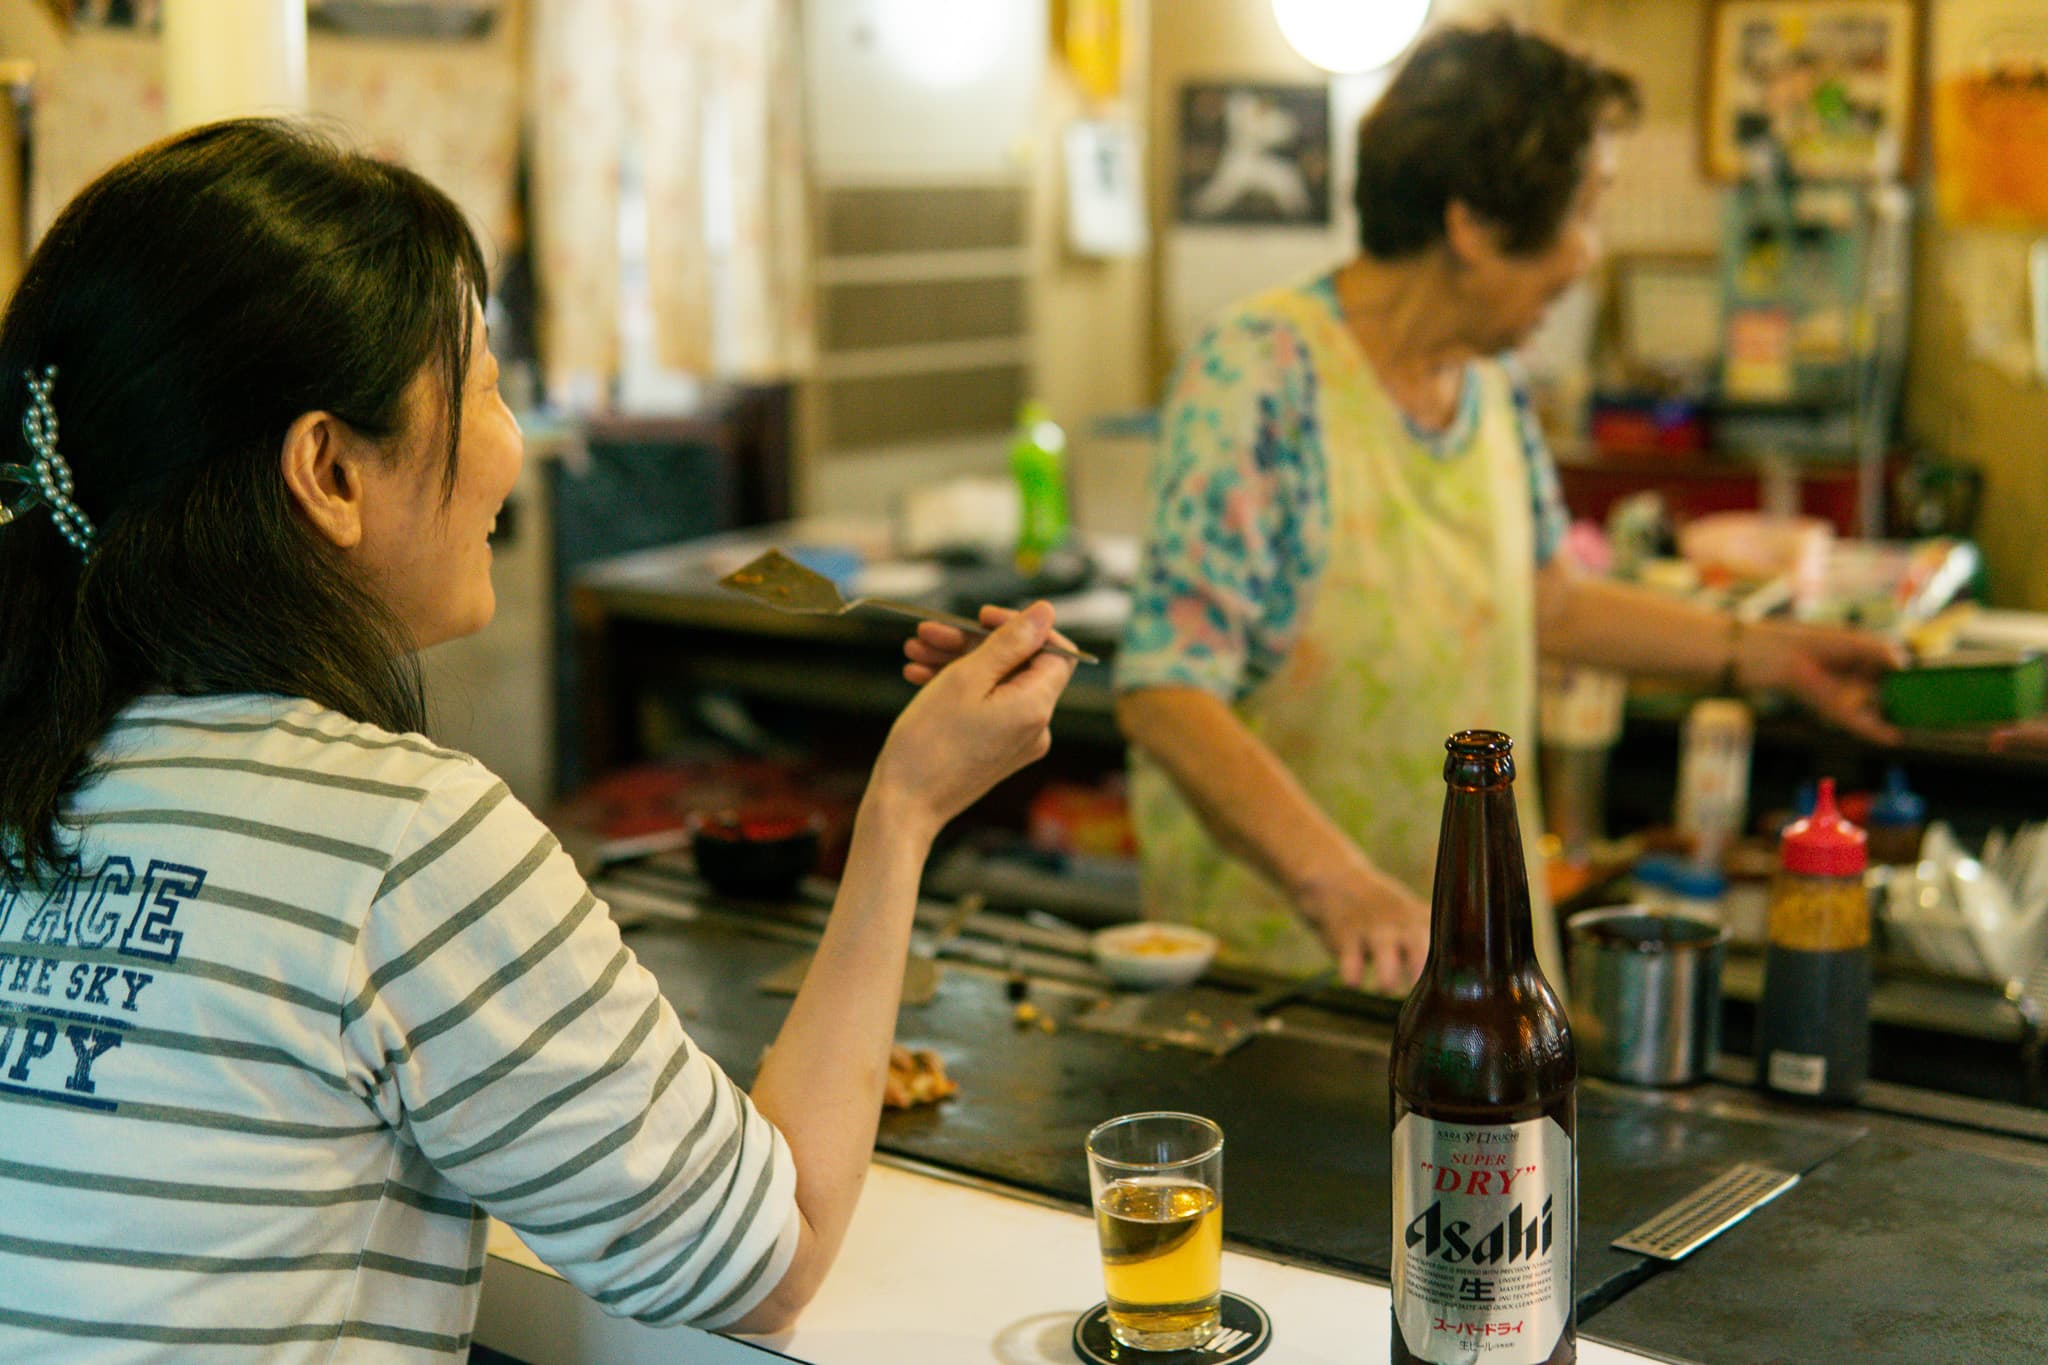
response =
{"points": [[1094, 1344]]}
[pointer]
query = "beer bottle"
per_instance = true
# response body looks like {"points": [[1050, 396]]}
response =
{"points": [[1484, 1102]]}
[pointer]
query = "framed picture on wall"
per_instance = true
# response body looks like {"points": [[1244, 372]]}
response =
{"points": [[431, 19], [1254, 154], [1832, 85], [142, 14]]}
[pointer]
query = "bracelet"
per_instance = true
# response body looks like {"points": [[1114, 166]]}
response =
{"points": [[1728, 680]]}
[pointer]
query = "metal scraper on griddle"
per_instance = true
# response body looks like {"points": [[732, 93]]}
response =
{"points": [[776, 580], [920, 970], [1204, 1018]]}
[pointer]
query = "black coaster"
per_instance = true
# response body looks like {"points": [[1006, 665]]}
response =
{"points": [[1093, 1343]]}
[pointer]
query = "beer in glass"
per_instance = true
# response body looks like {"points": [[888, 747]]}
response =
{"points": [[1157, 1181]]}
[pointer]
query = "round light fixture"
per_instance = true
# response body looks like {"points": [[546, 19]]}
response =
{"points": [[1344, 36]]}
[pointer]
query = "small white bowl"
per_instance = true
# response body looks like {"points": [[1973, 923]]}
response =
{"points": [[1152, 954]]}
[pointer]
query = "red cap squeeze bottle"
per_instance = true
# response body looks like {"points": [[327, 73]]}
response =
{"points": [[1824, 844]]}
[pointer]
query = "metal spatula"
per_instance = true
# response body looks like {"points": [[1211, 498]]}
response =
{"points": [[1204, 1018], [776, 580], [920, 969]]}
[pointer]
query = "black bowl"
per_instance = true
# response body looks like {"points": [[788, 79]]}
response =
{"points": [[761, 857]]}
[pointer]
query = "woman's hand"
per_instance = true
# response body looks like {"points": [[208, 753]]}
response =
{"points": [[936, 645], [2021, 737], [1366, 918], [982, 715], [1832, 670]]}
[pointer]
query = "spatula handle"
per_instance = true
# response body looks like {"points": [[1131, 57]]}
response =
{"points": [[973, 630]]}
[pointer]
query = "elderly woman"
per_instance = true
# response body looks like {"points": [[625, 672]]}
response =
{"points": [[290, 997], [1354, 549]]}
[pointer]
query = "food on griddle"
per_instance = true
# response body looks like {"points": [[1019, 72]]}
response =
{"points": [[1158, 943], [916, 1076]]}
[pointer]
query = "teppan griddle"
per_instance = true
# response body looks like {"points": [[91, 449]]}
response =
{"points": [[1307, 1170]]}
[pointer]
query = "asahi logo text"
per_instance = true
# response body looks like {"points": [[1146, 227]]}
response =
{"points": [[1514, 1238]]}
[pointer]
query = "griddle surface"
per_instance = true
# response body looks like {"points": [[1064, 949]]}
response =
{"points": [[1307, 1170], [1889, 1254]]}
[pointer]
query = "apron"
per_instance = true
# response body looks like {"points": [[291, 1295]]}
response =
{"points": [[1423, 623]]}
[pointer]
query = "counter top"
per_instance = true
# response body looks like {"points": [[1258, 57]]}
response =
{"points": [[940, 1272]]}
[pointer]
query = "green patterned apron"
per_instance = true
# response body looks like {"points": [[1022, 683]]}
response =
{"points": [[1423, 623]]}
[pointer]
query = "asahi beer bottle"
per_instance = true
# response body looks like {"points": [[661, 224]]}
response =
{"points": [[1484, 1102]]}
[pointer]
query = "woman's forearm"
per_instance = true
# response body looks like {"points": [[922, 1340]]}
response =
{"points": [[1631, 629], [1832, 670], [983, 718], [1260, 813], [821, 1083], [1244, 795]]}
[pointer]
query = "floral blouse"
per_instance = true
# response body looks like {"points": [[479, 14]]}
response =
{"points": [[1240, 523]]}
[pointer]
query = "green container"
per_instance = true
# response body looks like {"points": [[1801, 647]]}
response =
{"points": [[1038, 459], [1969, 687]]}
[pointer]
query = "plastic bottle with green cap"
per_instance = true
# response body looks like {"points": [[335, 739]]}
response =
{"points": [[1038, 459]]}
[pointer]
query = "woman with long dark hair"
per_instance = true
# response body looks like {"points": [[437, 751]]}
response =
{"points": [[289, 995]]}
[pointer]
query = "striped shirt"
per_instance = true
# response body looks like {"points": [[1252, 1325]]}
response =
{"points": [[320, 997]]}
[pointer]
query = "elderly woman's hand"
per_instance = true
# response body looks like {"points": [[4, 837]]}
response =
{"points": [[2022, 737], [1370, 922], [1832, 670], [982, 715]]}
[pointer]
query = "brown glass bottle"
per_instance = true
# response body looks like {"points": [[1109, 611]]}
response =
{"points": [[1484, 1102]]}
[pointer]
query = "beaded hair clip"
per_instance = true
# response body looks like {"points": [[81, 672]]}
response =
{"points": [[47, 478]]}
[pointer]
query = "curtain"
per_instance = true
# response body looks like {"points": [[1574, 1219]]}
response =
{"points": [[448, 109], [667, 188]]}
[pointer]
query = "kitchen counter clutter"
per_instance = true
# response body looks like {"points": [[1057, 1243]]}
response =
{"points": [[657, 621], [660, 638], [1303, 1105]]}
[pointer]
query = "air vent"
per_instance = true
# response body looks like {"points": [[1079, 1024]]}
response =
{"points": [[873, 412], [917, 312], [897, 219], [924, 317]]}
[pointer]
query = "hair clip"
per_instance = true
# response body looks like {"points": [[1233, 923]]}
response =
{"points": [[46, 479]]}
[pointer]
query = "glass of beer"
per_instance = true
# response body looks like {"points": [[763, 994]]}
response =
{"points": [[1157, 1181]]}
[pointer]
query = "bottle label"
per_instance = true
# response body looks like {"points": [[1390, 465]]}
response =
{"points": [[1797, 1073], [1484, 1227]]}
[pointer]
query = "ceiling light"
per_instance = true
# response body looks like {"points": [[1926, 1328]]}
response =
{"points": [[1350, 35]]}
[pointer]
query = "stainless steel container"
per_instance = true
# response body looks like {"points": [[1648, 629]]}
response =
{"points": [[1645, 994]]}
